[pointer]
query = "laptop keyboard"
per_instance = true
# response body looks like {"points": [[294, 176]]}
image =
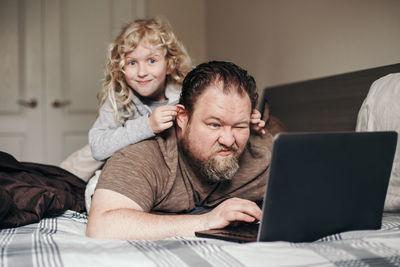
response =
{"points": [[241, 229]]}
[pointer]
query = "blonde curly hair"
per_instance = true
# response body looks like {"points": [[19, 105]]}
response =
{"points": [[158, 33]]}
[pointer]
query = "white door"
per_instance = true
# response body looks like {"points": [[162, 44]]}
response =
{"points": [[52, 54]]}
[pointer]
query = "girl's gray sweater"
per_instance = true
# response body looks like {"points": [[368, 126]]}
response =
{"points": [[108, 136]]}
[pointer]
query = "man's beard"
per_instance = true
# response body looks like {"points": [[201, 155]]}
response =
{"points": [[220, 170], [215, 168]]}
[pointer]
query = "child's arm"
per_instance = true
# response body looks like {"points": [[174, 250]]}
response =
{"points": [[257, 124], [162, 118], [107, 137]]}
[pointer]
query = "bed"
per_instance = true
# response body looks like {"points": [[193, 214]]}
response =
{"points": [[324, 104]]}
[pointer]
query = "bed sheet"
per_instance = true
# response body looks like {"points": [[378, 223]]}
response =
{"points": [[61, 241]]}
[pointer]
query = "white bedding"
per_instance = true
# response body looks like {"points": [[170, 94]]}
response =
{"points": [[380, 111], [61, 241]]}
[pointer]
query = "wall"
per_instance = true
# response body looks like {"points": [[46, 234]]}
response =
{"points": [[187, 18], [285, 41]]}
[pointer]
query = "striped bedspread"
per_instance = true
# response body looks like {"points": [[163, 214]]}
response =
{"points": [[61, 241]]}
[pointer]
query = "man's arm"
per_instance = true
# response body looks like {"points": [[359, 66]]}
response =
{"points": [[113, 215]]}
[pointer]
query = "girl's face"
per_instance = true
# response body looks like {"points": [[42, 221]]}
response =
{"points": [[146, 71]]}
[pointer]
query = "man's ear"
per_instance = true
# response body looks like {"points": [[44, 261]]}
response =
{"points": [[265, 116], [181, 117]]}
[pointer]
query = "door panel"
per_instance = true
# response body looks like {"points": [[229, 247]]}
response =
{"points": [[21, 75], [11, 136], [84, 43], [9, 54]]}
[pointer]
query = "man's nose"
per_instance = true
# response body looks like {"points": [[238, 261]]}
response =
{"points": [[226, 137]]}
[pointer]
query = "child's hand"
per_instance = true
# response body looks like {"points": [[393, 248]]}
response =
{"points": [[162, 118], [257, 124]]}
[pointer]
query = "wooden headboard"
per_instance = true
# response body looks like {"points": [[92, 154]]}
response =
{"points": [[324, 104]]}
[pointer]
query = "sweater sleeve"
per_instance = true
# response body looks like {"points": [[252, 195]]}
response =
{"points": [[107, 136]]}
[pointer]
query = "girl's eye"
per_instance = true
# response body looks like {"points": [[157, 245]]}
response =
{"points": [[132, 63], [151, 60]]}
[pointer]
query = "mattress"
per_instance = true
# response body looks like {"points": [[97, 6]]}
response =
{"points": [[61, 241]]}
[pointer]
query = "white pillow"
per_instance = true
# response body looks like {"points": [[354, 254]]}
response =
{"points": [[82, 164], [380, 111]]}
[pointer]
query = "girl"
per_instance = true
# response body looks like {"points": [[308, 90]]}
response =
{"points": [[145, 68]]}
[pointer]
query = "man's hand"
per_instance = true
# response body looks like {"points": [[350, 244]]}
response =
{"points": [[257, 124], [233, 209], [162, 118]]}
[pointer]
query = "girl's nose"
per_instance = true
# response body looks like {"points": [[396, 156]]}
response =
{"points": [[142, 70], [226, 137]]}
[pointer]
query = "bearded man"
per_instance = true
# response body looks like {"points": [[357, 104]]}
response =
{"points": [[209, 159]]}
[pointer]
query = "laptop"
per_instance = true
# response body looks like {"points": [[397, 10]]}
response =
{"points": [[320, 184]]}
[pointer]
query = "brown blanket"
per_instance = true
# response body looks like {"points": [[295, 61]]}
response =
{"points": [[31, 191]]}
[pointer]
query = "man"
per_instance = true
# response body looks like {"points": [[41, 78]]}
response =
{"points": [[208, 159]]}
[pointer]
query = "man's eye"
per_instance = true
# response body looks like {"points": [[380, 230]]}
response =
{"points": [[241, 127], [214, 125], [151, 61]]}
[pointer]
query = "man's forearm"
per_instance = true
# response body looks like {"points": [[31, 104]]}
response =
{"points": [[134, 224], [113, 215]]}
